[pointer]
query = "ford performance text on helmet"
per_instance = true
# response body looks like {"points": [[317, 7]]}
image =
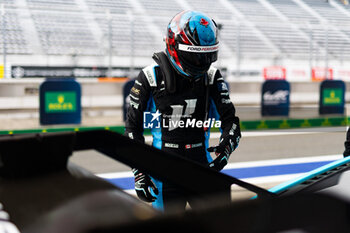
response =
{"points": [[192, 43]]}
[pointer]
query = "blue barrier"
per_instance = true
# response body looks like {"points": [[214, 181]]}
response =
{"points": [[275, 98], [332, 97], [60, 102]]}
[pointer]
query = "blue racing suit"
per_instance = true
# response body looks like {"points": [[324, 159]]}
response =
{"points": [[187, 105]]}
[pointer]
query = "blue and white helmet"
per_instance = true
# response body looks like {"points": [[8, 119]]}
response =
{"points": [[191, 43]]}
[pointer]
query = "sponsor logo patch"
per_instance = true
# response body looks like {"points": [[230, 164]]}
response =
{"points": [[199, 49], [135, 91]]}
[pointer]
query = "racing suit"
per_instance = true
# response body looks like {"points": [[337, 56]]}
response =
{"points": [[187, 104]]}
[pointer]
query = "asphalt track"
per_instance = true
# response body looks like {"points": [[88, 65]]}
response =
{"points": [[254, 146]]}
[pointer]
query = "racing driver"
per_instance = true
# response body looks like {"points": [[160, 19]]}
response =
{"points": [[184, 92]]}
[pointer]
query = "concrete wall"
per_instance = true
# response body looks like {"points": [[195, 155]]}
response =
{"points": [[23, 93]]}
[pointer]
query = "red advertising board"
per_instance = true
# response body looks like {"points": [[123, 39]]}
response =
{"points": [[319, 73], [274, 72]]}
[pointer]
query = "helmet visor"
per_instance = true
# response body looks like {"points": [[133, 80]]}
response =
{"points": [[197, 59]]}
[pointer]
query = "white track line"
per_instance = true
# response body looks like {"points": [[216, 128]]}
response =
{"points": [[249, 164], [216, 135], [272, 179], [262, 163], [113, 175]]}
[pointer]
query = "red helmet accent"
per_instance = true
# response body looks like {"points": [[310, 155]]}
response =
{"points": [[204, 22]]}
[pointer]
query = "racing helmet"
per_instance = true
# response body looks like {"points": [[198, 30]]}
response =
{"points": [[191, 43]]}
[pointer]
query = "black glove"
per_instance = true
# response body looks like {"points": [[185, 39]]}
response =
{"points": [[347, 149], [223, 151], [143, 183], [347, 144]]}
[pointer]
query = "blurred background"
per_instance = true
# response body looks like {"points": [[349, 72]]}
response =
{"points": [[104, 43], [301, 41]]}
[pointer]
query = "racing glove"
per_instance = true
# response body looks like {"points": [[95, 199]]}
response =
{"points": [[143, 186], [347, 149], [223, 151], [347, 144]]}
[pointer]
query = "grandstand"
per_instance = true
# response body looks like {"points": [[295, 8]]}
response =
{"points": [[274, 31]]}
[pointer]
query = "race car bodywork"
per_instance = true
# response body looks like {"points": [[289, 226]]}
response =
{"points": [[43, 192]]}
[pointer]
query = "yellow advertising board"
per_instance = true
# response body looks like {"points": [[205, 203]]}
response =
{"points": [[2, 75]]}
